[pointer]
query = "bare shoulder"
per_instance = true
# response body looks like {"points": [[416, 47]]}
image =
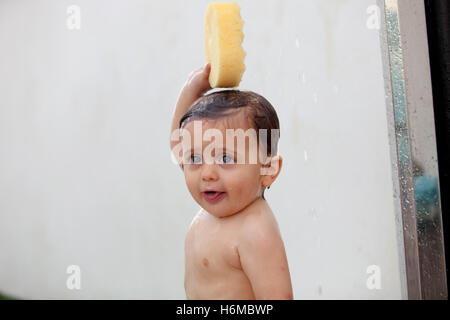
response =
{"points": [[259, 223], [196, 219], [197, 215], [263, 256]]}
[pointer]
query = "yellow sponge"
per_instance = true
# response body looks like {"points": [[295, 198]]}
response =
{"points": [[223, 38]]}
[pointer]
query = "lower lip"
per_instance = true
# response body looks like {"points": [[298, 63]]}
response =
{"points": [[216, 197]]}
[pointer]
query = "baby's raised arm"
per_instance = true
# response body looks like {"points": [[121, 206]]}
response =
{"points": [[194, 87], [263, 260]]}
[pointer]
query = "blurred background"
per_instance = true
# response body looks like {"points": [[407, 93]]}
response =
{"points": [[86, 176]]}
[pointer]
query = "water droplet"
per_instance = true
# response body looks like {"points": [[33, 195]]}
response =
{"points": [[297, 43], [313, 213], [306, 155], [335, 89]]}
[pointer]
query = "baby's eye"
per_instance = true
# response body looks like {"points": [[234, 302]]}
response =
{"points": [[226, 159], [195, 159]]}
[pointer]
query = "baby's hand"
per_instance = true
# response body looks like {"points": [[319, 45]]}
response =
{"points": [[197, 83], [194, 87]]}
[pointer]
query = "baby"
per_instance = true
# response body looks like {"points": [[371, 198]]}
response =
{"points": [[233, 248]]}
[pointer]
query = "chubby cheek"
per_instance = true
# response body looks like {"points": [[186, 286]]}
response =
{"points": [[243, 185], [192, 184]]}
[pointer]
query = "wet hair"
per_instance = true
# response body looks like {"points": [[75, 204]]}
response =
{"points": [[222, 104]]}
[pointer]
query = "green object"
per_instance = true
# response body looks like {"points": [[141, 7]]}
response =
{"points": [[3, 297], [427, 197]]}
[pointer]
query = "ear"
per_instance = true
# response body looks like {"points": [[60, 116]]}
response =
{"points": [[271, 170]]}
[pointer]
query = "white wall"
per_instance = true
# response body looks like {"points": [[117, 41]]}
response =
{"points": [[85, 170]]}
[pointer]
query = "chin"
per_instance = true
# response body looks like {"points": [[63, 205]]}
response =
{"points": [[215, 211]]}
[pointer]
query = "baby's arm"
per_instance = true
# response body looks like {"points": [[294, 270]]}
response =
{"points": [[194, 87], [263, 260]]}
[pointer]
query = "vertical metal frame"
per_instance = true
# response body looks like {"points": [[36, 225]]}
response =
{"points": [[413, 148]]}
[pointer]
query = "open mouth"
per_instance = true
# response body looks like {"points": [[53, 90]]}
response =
{"points": [[213, 196]]}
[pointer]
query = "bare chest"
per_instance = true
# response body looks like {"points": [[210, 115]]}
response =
{"points": [[211, 248]]}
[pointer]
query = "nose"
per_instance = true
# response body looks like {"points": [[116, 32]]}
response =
{"points": [[209, 172]]}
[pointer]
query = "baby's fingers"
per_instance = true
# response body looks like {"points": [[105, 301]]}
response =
{"points": [[205, 83], [204, 71], [207, 68], [199, 78], [193, 73]]}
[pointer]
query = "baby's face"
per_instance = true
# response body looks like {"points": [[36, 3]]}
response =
{"points": [[208, 166]]}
